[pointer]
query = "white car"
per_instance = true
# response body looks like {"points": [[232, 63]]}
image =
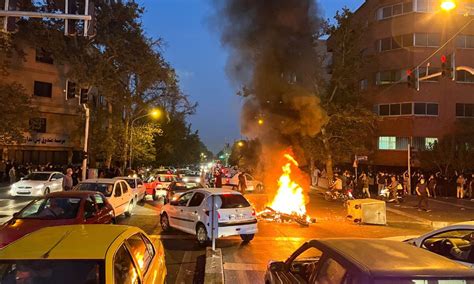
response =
{"points": [[252, 183], [38, 184], [190, 213], [138, 189], [441, 241], [117, 191]]}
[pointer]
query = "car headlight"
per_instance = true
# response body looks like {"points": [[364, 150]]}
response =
{"points": [[198, 180], [185, 179]]}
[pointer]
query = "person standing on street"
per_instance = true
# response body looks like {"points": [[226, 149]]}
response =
{"points": [[423, 194], [380, 182], [365, 185], [67, 180], [12, 174], [432, 186], [242, 182], [316, 174], [460, 182], [471, 189]]}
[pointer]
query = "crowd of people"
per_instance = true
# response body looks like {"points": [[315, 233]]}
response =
{"points": [[370, 184]]}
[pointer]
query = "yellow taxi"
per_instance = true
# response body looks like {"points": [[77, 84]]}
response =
{"points": [[84, 254]]}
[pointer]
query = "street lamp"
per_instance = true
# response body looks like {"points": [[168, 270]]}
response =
{"points": [[155, 113], [448, 5], [240, 143], [260, 121]]}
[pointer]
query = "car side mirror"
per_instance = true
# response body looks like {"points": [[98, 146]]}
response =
{"points": [[277, 266]]}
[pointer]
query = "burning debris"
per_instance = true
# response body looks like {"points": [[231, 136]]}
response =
{"points": [[289, 203]]}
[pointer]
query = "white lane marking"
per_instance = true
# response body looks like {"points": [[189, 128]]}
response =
{"points": [[186, 269], [245, 266]]}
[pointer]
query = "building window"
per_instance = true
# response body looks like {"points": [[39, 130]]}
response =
{"points": [[393, 143], [38, 125], [429, 6], [429, 109], [395, 42], [464, 76], [363, 85], [394, 10], [429, 142], [43, 56], [423, 143], [464, 110], [427, 40], [465, 41], [43, 89], [388, 77]]}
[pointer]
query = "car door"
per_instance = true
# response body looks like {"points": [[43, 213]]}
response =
{"points": [[104, 216], [127, 194], [191, 211], [143, 253], [178, 216], [117, 199], [57, 184], [91, 214], [250, 182]]}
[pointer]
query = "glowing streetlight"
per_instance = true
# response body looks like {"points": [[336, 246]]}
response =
{"points": [[448, 5], [240, 143], [156, 113], [260, 121]]}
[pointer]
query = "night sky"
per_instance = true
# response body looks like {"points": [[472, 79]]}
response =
{"points": [[194, 50]]}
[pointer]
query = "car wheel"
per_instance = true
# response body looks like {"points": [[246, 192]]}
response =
{"points": [[165, 223], [128, 213], [201, 235], [247, 237], [155, 197], [46, 191]]}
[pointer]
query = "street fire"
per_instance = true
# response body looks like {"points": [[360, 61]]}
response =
{"points": [[289, 203]]}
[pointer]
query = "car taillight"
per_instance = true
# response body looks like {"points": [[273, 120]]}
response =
{"points": [[227, 180], [253, 212]]}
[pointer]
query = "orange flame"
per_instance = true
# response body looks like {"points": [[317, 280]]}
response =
{"points": [[290, 197]]}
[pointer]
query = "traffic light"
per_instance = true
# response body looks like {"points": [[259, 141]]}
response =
{"points": [[70, 90], [448, 66], [412, 79], [84, 99]]}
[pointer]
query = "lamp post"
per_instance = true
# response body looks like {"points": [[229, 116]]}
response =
{"points": [[155, 114]]}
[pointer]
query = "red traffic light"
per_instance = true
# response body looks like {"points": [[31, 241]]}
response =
{"points": [[409, 72], [444, 59]]}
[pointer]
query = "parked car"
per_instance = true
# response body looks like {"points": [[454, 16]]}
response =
{"points": [[136, 184], [252, 183], [117, 191], [37, 184], [156, 185], [441, 242], [56, 209], [190, 213], [365, 261], [82, 254]]}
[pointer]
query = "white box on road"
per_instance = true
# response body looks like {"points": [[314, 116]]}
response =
{"points": [[367, 211]]}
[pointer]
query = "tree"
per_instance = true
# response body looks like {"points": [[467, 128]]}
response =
{"points": [[351, 122]]}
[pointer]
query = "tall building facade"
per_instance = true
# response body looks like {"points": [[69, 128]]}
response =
{"points": [[398, 36], [55, 134]]}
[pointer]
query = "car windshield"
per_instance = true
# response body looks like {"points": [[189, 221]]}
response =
{"points": [[37, 176], [424, 281], [233, 201], [52, 271], [51, 208], [165, 178], [104, 188]]}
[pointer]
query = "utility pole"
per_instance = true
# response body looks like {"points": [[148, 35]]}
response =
{"points": [[86, 139], [409, 170]]}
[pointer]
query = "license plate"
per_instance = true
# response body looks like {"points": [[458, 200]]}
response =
{"points": [[24, 192], [236, 217]]}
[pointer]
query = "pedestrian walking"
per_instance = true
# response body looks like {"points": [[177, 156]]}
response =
{"points": [[12, 174], [315, 176], [423, 194], [365, 185], [242, 183], [380, 182], [432, 186], [460, 182], [67, 180]]}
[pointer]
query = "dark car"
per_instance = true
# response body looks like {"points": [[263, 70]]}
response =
{"points": [[366, 261], [56, 209]]}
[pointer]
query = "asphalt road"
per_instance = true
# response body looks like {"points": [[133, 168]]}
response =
{"points": [[246, 263]]}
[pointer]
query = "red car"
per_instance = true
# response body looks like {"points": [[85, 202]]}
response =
{"points": [[55, 209], [157, 185]]}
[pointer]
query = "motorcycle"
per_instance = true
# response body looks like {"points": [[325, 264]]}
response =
{"points": [[386, 195], [341, 195]]}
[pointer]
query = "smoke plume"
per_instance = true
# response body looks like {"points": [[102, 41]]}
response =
{"points": [[273, 56]]}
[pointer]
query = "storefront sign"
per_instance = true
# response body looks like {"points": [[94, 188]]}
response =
{"points": [[46, 139]]}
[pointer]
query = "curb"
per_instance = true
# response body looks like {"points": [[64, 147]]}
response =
{"points": [[214, 272], [419, 220]]}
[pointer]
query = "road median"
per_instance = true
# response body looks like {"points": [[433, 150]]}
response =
{"points": [[214, 271]]}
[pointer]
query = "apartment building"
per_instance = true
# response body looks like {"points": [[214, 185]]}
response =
{"points": [[398, 36], [55, 135]]}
